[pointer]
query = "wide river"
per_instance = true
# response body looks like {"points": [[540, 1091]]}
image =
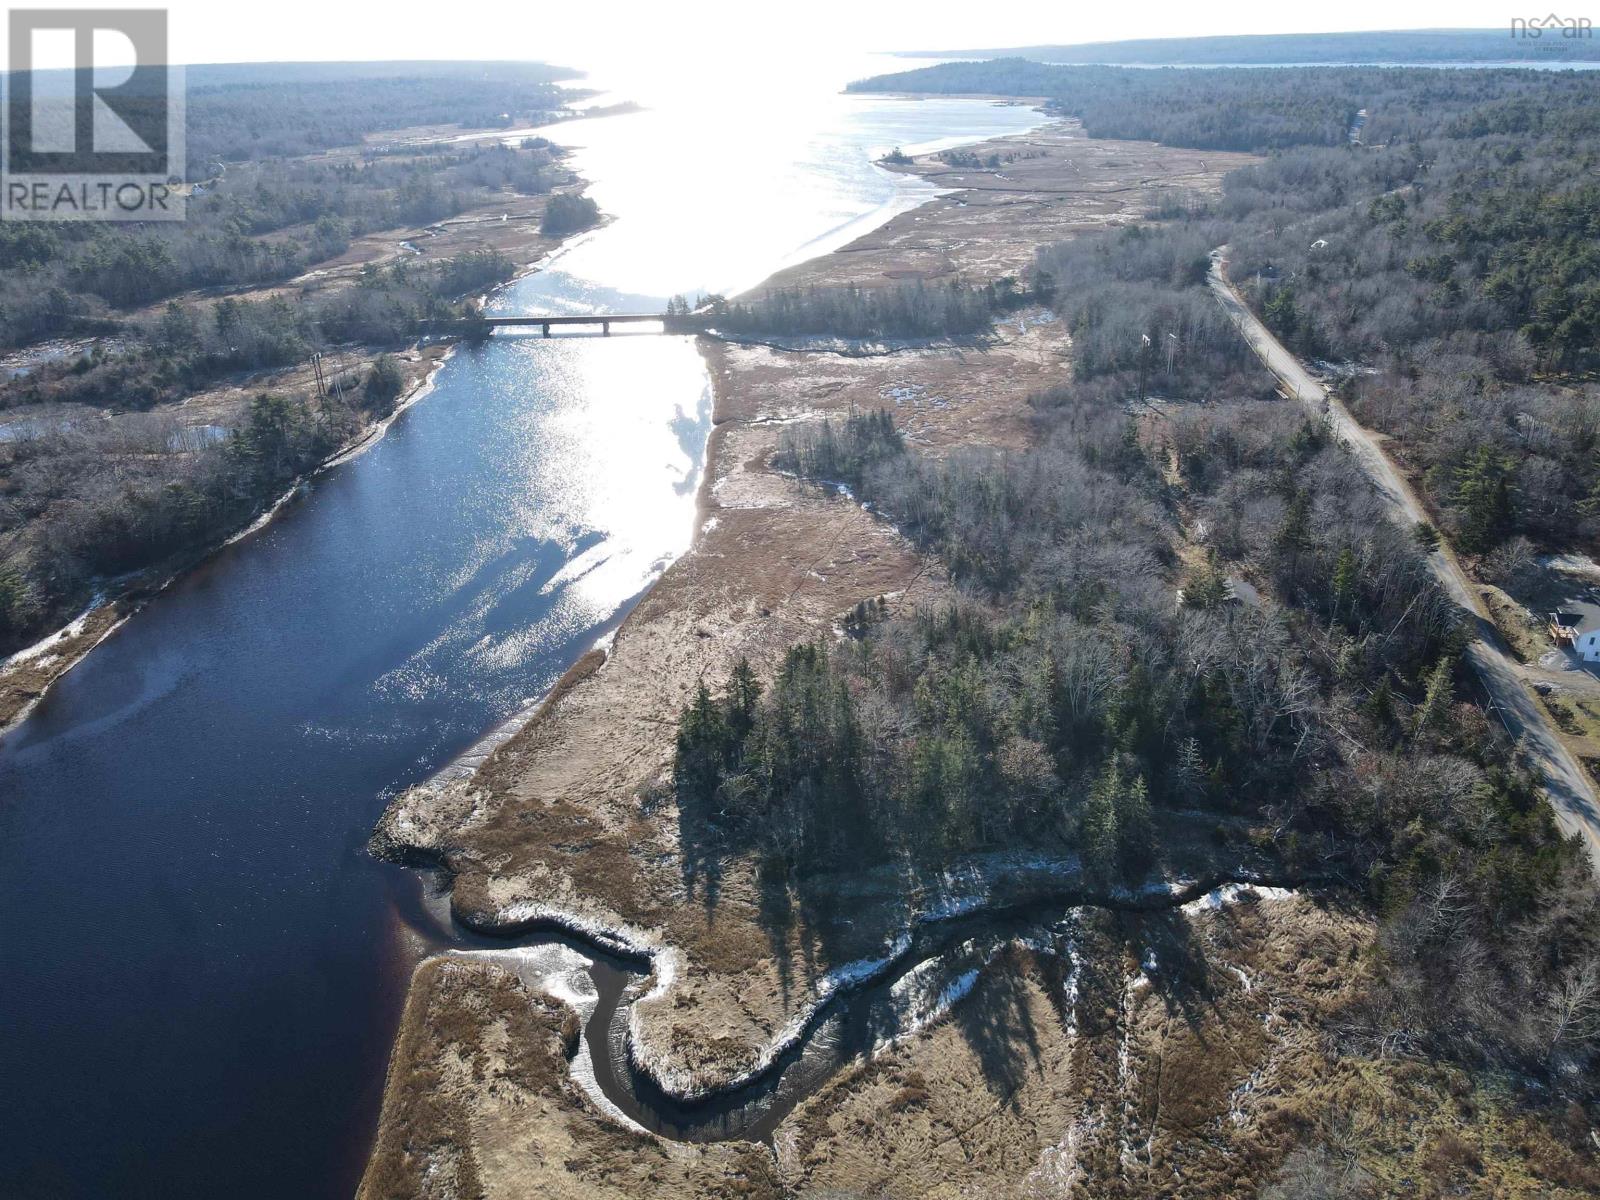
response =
{"points": [[201, 968]]}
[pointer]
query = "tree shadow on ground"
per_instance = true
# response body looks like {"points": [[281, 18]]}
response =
{"points": [[702, 849], [1182, 975], [813, 924], [997, 1023]]}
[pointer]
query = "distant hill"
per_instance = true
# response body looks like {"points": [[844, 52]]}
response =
{"points": [[239, 74], [203, 77], [242, 111], [1394, 46]]}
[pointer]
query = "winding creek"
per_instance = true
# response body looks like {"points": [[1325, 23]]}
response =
{"points": [[202, 968], [874, 1003]]}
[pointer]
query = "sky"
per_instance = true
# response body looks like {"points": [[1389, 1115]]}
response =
{"points": [[615, 34]]}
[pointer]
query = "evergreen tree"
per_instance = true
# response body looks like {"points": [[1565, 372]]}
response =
{"points": [[13, 599], [385, 382], [1438, 697], [1135, 829], [1135, 719], [1033, 710], [1099, 830], [702, 749], [1282, 314], [1207, 587], [1187, 778], [1380, 706], [1344, 584], [267, 445], [1293, 539], [744, 693], [1483, 497]]}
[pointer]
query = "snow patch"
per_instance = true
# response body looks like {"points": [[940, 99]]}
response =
{"points": [[47, 644], [1058, 1171], [1127, 1152], [561, 973], [1230, 893], [903, 393], [921, 996]]}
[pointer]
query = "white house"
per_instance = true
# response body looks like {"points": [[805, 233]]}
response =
{"points": [[1588, 645], [1566, 629]]}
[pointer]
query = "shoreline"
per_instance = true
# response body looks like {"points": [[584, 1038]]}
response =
{"points": [[708, 345], [141, 589], [132, 593], [551, 825]]}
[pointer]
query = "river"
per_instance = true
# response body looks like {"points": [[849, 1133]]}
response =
{"points": [[202, 968]]}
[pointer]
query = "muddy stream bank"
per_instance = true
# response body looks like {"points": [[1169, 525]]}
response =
{"points": [[927, 968]]}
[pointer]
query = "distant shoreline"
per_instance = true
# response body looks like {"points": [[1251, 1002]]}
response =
{"points": [[1536, 45]]}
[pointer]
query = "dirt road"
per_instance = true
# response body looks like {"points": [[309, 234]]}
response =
{"points": [[1571, 793]]}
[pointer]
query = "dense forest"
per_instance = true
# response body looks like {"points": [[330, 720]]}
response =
{"points": [[568, 213], [245, 112], [99, 500], [262, 222], [1067, 699], [161, 358], [1252, 109], [906, 311], [1376, 47], [1446, 263], [1455, 281], [269, 201]]}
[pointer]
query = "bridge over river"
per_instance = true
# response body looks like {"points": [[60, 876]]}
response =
{"points": [[669, 322]]}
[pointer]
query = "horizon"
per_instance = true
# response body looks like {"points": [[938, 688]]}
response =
{"points": [[725, 33], [912, 52]]}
